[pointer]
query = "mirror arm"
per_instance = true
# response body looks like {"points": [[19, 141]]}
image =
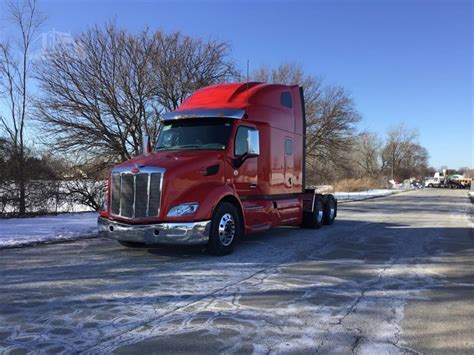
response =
{"points": [[240, 160]]}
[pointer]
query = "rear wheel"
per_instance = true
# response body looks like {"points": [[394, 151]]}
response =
{"points": [[314, 219], [330, 210], [225, 229], [132, 244]]}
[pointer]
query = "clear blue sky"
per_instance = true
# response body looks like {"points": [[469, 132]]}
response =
{"points": [[403, 61]]}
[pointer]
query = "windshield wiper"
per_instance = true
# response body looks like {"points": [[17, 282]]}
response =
{"points": [[178, 147], [193, 146], [189, 146]]}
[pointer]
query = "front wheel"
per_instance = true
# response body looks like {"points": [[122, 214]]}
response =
{"points": [[225, 229]]}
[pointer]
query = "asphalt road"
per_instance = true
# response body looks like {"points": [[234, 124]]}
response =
{"points": [[392, 275]]}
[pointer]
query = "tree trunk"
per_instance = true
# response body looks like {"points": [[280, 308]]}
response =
{"points": [[22, 198], [22, 184]]}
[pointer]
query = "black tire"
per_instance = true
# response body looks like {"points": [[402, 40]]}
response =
{"points": [[132, 244], [430, 185], [314, 219], [330, 210], [226, 229]]}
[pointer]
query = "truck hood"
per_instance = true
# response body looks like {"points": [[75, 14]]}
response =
{"points": [[187, 175], [171, 159]]}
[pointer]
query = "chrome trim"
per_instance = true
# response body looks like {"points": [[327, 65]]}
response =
{"points": [[120, 197], [225, 113], [135, 193], [143, 170], [253, 142], [192, 233], [148, 197], [255, 207]]}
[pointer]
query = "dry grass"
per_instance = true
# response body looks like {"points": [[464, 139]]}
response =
{"points": [[354, 185]]}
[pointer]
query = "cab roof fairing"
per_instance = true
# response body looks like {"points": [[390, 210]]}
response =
{"points": [[204, 113], [230, 100]]}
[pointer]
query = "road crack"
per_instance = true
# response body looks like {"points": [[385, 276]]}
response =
{"points": [[353, 309]]}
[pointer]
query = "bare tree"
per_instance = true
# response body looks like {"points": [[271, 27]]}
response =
{"points": [[182, 64], [14, 77], [469, 173], [102, 94], [330, 119], [402, 156], [84, 185], [367, 154], [463, 170]]}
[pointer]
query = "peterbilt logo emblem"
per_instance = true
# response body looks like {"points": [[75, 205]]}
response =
{"points": [[135, 170]]}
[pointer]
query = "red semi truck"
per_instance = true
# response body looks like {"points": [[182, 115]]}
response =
{"points": [[228, 162]]}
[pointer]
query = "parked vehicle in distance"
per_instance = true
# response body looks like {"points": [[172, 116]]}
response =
{"points": [[448, 181], [458, 182], [438, 180], [228, 162]]}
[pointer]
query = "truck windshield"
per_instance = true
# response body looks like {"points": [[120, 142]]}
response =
{"points": [[210, 134]]}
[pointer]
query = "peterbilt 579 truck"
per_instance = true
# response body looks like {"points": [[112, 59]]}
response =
{"points": [[228, 162]]}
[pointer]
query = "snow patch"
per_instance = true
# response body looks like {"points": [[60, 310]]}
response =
{"points": [[16, 232], [363, 195]]}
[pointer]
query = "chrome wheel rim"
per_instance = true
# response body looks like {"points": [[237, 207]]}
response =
{"points": [[226, 229], [319, 215], [332, 210]]}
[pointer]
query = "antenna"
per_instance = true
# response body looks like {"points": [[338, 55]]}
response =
{"points": [[247, 84], [248, 65]]}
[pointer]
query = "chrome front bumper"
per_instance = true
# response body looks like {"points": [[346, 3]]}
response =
{"points": [[192, 233]]}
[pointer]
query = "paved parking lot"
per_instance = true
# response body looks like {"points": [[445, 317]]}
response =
{"points": [[392, 275]]}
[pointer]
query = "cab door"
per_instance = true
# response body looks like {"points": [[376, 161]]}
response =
{"points": [[245, 164], [289, 163]]}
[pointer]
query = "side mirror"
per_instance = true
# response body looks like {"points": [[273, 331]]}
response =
{"points": [[253, 143], [253, 148]]}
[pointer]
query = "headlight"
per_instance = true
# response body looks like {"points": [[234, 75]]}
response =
{"points": [[184, 209]]}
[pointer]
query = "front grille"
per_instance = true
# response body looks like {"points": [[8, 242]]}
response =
{"points": [[136, 196]]}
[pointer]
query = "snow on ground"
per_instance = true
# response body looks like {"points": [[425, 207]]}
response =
{"points": [[17, 232], [363, 195]]}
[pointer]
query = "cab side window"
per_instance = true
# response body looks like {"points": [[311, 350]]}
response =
{"points": [[288, 146], [241, 141]]}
